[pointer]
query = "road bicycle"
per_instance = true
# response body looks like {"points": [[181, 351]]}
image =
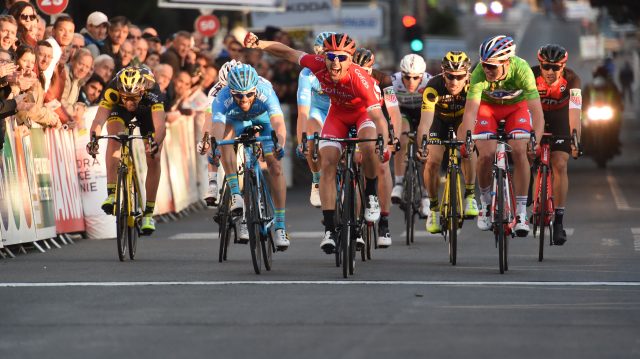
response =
{"points": [[128, 206], [543, 207], [451, 208], [503, 201], [258, 202], [349, 186]]}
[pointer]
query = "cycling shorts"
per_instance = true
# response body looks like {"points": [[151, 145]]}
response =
{"points": [[517, 118], [440, 127], [263, 120], [318, 114], [411, 116], [145, 121], [557, 123], [338, 123]]}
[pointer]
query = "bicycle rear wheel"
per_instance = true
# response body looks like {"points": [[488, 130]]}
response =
{"points": [[133, 223], [122, 212], [500, 221], [224, 224], [452, 215], [253, 221], [408, 202], [542, 211], [266, 240]]}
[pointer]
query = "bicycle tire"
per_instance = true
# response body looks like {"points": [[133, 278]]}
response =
{"points": [[253, 225], [132, 231], [266, 241], [224, 225], [337, 219], [409, 198], [345, 229], [542, 211], [364, 232], [453, 215], [122, 206], [500, 232]]}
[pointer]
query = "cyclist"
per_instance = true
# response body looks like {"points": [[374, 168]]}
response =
{"points": [[503, 87], [133, 92], [560, 94], [313, 105], [354, 102], [247, 101], [366, 59], [442, 108], [409, 85]]}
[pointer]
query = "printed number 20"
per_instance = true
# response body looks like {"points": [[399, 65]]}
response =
{"points": [[52, 2]]}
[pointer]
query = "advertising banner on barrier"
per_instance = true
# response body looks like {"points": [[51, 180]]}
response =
{"points": [[40, 184], [68, 205], [18, 225], [181, 165], [164, 197]]}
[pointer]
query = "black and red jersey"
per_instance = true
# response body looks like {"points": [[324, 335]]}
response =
{"points": [[556, 96]]}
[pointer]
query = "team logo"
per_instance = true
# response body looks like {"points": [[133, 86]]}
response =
{"points": [[484, 122], [563, 88]]}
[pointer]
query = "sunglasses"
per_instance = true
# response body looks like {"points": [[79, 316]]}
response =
{"points": [[407, 77], [553, 67], [331, 57], [240, 95], [452, 77], [126, 98], [491, 66], [26, 17]]}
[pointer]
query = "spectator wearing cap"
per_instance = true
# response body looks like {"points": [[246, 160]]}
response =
{"points": [[91, 90], [27, 19], [95, 31], [116, 36], [104, 66], [176, 55], [8, 31]]}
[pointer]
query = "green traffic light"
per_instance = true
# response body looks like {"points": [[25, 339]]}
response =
{"points": [[416, 45]]}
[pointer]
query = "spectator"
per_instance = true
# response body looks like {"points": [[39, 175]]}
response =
{"points": [[152, 60], [26, 60], [163, 74], [90, 92], [116, 36], [252, 56], [7, 67], [77, 72], [264, 69], [76, 43], [135, 34], [182, 90], [95, 31], [62, 35], [626, 80], [44, 53], [126, 55], [150, 31], [8, 31], [8, 4], [25, 15], [176, 55], [42, 25], [141, 49], [154, 43], [104, 67]]}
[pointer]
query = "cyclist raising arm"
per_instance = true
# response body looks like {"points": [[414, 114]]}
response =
{"points": [[560, 92], [133, 92], [354, 102], [502, 89]]}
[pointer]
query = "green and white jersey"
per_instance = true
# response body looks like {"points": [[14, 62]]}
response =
{"points": [[517, 86]]}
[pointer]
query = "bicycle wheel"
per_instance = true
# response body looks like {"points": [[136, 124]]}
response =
{"points": [[266, 240], [135, 215], [122, 205], [224, 224], [499, 220], [346, 225], [337, 220], [409, 199], [542, 211], [452, 215], [364, 229], [253, 220]]}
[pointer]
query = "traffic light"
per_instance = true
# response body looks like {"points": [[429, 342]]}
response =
{"points": [[412, 33]]}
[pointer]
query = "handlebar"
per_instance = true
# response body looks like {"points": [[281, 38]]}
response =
{"points": [[93, 146], [493, 136], [348, 141]]}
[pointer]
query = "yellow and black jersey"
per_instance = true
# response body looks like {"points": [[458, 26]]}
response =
{"points": [[436, 98], [152, 99]]}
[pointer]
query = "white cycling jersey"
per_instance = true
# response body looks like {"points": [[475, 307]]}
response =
{"points": [[409, 100]]}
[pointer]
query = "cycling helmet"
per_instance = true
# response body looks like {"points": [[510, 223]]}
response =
{"points": [[553, 53], [243, 78], [318, 47], [132, 81], [364, 57], [413, 64], [497, 48], [224, 71], [456, 61], [340, 42]]}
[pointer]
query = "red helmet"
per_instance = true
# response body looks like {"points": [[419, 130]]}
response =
{"points": [[340, 42]]}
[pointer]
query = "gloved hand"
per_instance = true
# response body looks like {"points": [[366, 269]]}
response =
{"points": [[463, 151], [278, 152], [92, 148], [214, 158], [299, 152]]}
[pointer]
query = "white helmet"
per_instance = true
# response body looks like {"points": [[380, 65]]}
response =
{"points": [[224, 71], [413, 64], [497, 48]]}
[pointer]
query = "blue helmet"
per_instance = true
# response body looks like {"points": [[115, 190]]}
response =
{"points": [[242, 78], [318, 44], [497, 48]]}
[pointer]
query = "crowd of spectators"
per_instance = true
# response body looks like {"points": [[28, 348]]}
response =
{"points": [[50, 73]]}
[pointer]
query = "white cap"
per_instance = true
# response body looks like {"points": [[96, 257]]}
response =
{"points": [[97, 18]]}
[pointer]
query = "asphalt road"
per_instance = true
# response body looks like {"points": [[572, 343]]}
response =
{"points": [[176, 300]]}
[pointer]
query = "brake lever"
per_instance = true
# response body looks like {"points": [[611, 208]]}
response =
{"points": [[206, 143], [304, 142], [380, 144], [316, 143]]}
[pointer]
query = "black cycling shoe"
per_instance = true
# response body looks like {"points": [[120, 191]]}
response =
{"points": [[559, 235]]}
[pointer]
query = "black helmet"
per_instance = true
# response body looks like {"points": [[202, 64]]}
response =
{"points": [[553, 53], [363, 57]]}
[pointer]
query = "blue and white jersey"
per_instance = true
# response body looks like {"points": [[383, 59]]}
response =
{"points": [[310, 92], [224, 108], [218, 87]]}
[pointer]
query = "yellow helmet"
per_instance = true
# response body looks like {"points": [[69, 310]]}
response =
{"points": [[133, 81], [456, 61]]}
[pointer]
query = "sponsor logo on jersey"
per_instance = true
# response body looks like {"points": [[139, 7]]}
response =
{"points": [[362, 78], [575, 97]]}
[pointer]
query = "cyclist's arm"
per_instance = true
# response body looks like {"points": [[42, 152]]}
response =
{"points": [[159, 118], [393, 108], [380, 121], [304, 104], [101, 117], [426, 119], [535, 106], [575, 103], [281, 50], [429, 99], [468, 119], [277, 123]]}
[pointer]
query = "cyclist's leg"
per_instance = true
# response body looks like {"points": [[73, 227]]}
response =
{"points": [[400, 157], [370, 164], [314, 124], [384, 195], [329, 157], [560, 151], [229, 163], [485, 123], [469, 166], [115, 125]]}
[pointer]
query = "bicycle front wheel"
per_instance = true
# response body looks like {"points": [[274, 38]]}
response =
{"points": [[253, 220], [122, 212], [409, 199], [542, 211], [500, 220], [452, 215], [266, 240], [225, 223], [348, 216], [136, 212]]}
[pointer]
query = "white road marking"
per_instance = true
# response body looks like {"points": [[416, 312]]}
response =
{"points": [[205, 235], [618, 196], [636, 238], [321, 282], [610, 242]]}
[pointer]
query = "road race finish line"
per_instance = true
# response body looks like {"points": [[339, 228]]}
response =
{"points": [[302, 282]]}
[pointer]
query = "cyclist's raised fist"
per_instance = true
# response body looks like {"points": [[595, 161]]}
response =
{"points": [[251, 40]]}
